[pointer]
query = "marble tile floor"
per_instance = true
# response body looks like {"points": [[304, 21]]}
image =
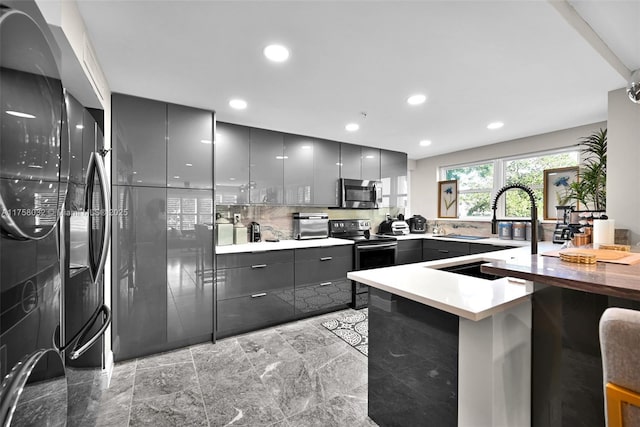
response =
{"points": [[293, 375]]}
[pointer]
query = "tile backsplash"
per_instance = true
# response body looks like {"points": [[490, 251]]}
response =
{"points": [[276, 222]]}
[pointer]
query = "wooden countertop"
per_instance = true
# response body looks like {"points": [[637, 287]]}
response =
{"points": [[602, 278]]}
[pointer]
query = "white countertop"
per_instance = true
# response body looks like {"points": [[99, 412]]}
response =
{"points": [[314, 243], [464, 296], [282, 244]]}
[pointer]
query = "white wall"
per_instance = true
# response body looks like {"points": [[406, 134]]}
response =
{"points": [[623, 163], [424, 178]]}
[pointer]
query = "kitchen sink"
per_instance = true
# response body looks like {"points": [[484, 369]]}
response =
{"points": [[463, 236], [470, 269]]}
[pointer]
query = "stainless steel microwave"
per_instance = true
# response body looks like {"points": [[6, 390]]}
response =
{"points": [[360, 194]]}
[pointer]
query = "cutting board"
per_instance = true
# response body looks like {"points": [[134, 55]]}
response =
{"points": [[603, 255]]}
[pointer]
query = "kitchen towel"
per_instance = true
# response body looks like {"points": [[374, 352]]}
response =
{"points": [[603, 232]]}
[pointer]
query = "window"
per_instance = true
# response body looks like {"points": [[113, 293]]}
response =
{"points": [[478, 182], [475, 186], [184, 212]]}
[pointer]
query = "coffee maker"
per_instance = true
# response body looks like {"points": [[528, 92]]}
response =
{"points": [[563, 231], [254, 232]]}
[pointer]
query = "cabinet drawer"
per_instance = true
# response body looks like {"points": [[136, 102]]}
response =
{"points": [[410, 245], [243, 314], [323, 295], [443, 245], [309, 254], [246, 281], [247, 259], [480, 248], [434, 254], [314, 271]]}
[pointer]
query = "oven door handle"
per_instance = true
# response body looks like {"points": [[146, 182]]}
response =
{"points": [[381, 246]]}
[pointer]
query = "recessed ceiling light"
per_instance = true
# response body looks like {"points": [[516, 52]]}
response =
{"points": [[416, 99], [282, 157], [20, 114], [425, 143], [188, 164], [276, 53], [352, 127], [232, 179], [176, 177], [238, 104], [79, 127], [205, 141], [306, 147], [369, 156], [495, 125]]}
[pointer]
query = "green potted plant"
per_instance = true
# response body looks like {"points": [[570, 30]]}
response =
{"points": [[591, 188]]}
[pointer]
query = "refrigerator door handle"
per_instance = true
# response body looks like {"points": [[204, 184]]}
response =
{"points": [[106, 315], [96, 163]]}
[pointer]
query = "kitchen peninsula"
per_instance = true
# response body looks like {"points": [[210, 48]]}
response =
{"points": [[467, 351]]}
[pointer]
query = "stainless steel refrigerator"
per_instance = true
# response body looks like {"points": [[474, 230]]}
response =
{"points": [[35, 159]]}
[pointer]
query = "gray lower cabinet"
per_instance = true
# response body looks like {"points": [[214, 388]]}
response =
{"points": [[409, 251], [440, 249], [254, 290], [321, 280]]}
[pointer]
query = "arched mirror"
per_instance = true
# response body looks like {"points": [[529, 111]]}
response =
{"points": [[34, 148]]}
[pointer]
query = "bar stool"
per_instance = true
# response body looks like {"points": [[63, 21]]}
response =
{"points": [[620, 347]]}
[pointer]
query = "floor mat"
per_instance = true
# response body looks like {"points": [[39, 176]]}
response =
{"points": [[353, 329]]}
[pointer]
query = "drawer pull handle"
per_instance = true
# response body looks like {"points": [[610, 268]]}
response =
{"points": [[444, 251], [261, 294], [326, 258], [259, 266], [325, 283]]}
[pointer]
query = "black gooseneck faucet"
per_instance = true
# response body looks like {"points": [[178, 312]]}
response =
{"points": [[534, 213]]}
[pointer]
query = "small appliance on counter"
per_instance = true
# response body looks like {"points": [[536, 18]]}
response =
{"points": [[254, 232], [418, 224], [310, 226], [394, 227]]}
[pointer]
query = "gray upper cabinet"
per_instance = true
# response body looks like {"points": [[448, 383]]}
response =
{"points": [[359, 162], [139, 141], [298, 162], [371, 163], [265, 168], [351, 161], [393, 173], [326, 172], [189, 147], [232, 164]]}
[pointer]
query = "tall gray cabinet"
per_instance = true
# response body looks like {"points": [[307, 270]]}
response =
{"points": [[162, 285]]}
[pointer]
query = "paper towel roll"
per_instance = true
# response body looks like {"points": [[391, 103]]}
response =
{"points": [[603, 232]]}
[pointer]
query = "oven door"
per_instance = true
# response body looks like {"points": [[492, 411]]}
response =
{"points": [[370, 255]]}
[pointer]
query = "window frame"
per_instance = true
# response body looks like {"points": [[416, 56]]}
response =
{"points": [[499, 176]]}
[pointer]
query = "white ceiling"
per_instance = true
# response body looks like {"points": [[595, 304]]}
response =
{"points": [[519, 62]]}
